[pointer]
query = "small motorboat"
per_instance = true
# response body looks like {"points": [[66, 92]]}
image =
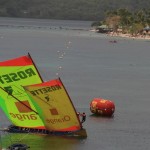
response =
{"points": [[18, 146], [113, 41]]}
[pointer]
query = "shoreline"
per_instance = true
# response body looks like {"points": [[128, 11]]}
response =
{"points": [[129, 36]]}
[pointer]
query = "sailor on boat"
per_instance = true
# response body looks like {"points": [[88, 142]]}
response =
{"points": [[83, 117]]}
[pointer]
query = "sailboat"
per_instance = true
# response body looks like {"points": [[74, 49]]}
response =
{"points": [[35, 106]]}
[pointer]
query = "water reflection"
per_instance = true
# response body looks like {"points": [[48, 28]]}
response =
{"points": [[98, 118], [41, 142]]}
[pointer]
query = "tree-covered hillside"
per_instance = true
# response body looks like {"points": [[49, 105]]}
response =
{"points": [[67, 9]]}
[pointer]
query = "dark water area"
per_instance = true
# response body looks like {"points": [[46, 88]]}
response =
{"points": [[90, 66]]}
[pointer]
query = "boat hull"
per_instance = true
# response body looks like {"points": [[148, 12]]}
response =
{"points": [[16, 129]]}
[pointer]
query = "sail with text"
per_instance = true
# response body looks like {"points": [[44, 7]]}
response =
{"points": [[54, 105], [14, 101]]}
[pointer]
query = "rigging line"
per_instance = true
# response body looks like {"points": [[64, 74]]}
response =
{"points": [[19, 101], [18, 87], [24, 137], [41, 98]]}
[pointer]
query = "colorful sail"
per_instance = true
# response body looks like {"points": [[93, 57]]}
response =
{"points": [[54, 106], [18, 112], [14, 101]]}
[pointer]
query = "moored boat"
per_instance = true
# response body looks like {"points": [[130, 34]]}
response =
{"points": [[18, 146]]}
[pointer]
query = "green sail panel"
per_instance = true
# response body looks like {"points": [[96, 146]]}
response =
{"points": [[14, 74], [19, 113], [54, 106]]}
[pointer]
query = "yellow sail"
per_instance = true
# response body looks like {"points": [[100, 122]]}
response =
{"points": [[54, 106]]}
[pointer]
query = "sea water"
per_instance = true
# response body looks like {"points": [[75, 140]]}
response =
{"points": [[90, 66]]}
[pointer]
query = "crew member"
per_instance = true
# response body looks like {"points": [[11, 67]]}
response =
{"points": [[83, 117]]}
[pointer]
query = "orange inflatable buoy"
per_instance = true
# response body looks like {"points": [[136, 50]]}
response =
{"points": [[103, 107]]}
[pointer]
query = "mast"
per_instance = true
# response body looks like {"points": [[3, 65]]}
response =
{"points": [[35, 67], [70, 100]]}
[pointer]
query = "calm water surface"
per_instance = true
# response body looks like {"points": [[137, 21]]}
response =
{"points": [[90, 66]]}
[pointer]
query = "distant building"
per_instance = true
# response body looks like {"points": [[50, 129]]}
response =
{"points": [[103, 29]]}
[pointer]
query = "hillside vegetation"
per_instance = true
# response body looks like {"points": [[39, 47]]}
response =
{"points": [[126, 22], [67, 9]]}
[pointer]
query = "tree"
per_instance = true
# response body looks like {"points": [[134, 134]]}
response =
{"points": [[136, 29], [113, 22]]}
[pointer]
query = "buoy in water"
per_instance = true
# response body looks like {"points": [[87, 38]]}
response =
{"points": [[103, 107]]}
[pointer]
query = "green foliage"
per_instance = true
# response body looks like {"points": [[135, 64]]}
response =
{"points": [[136, 28], [133, 23], [68, 9]]}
